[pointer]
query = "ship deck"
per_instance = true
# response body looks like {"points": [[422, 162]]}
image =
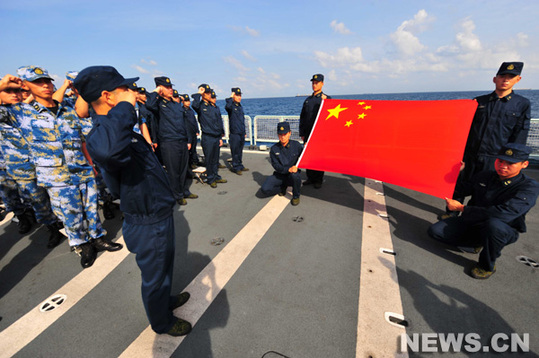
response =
{"points": [[268, 279]]}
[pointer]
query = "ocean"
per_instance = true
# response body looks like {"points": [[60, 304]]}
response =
{"points": [[281, 106]]}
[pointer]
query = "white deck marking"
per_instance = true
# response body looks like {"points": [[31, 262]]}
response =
{"points": [[25, 329], [378, 283], [210, 281]]}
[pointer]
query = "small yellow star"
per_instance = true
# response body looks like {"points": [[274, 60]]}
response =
{"points": [[361, 103], [361, 116], [335, 111], [348, 124], [367, 107]]}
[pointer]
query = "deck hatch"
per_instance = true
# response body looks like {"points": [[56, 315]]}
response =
{"points": [[52, 303], [528, 261]]}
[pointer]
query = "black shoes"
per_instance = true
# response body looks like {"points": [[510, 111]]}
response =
{"points": [[180, 328], [55, 236], [221, 181], [108, 210], [181, 201], [87, 254], [181, 299], [100, 244], [283, 191], [25, 223], [192, 196], [317, 185], [294, 201]]}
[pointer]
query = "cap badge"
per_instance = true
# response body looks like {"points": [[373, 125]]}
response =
{"points": [[510, 67], [167, 80], [134, 85], [282, 128], [509, 152], [315, 77], [38, 71]]}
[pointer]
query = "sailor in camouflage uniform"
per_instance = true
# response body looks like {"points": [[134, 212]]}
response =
{"points": [[19, 178], [54, 132]]}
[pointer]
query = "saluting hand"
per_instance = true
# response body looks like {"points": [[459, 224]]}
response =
{"points": [[10, 81]]}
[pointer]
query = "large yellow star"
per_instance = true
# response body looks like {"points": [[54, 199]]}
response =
{"points": [[361, 103], [335, 112], [361, 116], [348, 124], [367, 107]]}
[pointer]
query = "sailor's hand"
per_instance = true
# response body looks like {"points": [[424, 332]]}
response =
{"points": [[324, 96], [454, 205], [128, 96], [293, 169], [10, 81]]}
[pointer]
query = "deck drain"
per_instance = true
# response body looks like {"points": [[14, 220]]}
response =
{"points": [[52, 303], [217, 241], [396, 319], [297, 219], [388, 251], [528, 261], [271, 354], [221, 192]]}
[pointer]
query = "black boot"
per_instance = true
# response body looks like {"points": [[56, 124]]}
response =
{"points": [[25, 223], [55, 236], [87, 254], [108, 210], [101, 244]]}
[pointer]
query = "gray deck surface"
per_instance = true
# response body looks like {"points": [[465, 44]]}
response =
{"points": [[296, 294]]}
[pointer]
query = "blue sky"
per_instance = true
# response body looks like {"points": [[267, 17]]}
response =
{"points": [[272, 48]]}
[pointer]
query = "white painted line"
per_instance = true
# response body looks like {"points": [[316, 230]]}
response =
{"points": [[7, 219], [378, 282], [31, 325], [210, 281]]}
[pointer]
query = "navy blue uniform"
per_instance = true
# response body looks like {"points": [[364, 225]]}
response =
{"points": [[236, 123], [133, 173], [309, 111], [494, 216], [173, 138], [192, 128], [211, 125], [497, 121], [282, 159]]}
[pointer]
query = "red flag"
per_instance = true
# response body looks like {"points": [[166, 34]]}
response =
{"points": [[414, 144]]}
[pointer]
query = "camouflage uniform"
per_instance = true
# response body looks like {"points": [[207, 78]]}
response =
{"points": [[19, 168], [9, 190], [56, 146]]}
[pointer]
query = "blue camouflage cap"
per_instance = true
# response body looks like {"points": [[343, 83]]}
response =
{"points": [[32, 73], [93, 80], [71, 75]]}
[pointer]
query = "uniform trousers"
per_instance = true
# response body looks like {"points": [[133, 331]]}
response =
{"points": [[274, 183], [237, 141], [76, 205], [492, 234], [154, 247], [9, 192], [210, 147], [176, 158], [39, 199], [193, 156]]}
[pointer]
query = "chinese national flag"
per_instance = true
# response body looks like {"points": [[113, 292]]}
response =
{"points": [[413, 144]]}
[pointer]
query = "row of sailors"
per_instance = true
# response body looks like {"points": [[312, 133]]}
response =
{"points": [[46, 173]]}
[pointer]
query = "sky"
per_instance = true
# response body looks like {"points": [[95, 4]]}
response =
{"points": [[272, 48]]}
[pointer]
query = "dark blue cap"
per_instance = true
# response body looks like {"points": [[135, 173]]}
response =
{"points": [[132, 86], [512, 68], [514, 152], [175, 94], [206, 87], [185, 97], [142, 90], [162, 81], [95, 79], [283, 127], [236, 91], [318, 77]]}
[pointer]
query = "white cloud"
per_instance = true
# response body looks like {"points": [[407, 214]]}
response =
{"points": [[140, 69], [340, 28], [404, 37], [149, 62], [247, 30], [522, 39], [236, 63], [247, 55]]}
